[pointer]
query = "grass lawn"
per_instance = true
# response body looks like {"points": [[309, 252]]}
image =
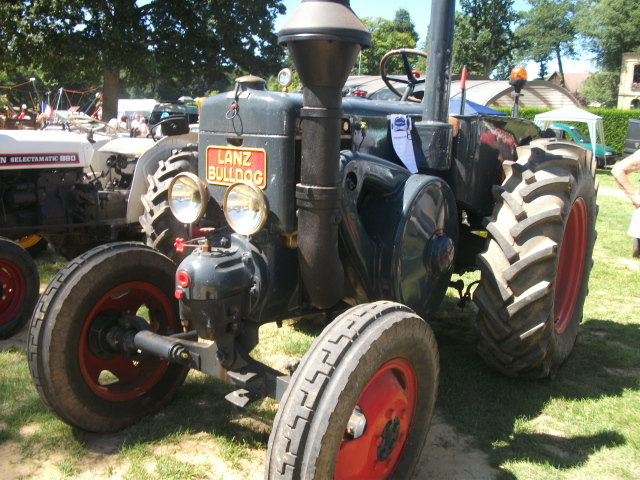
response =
{"points": [[583, 424]]}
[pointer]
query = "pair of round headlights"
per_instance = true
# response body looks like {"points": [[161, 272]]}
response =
{"points": [[245, 206]]}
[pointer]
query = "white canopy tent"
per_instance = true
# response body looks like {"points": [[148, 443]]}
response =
{"points": [[574, 114]]}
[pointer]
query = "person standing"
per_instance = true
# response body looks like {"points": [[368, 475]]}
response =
{"points": [[135, 123], [620, 173], [144, 127]]}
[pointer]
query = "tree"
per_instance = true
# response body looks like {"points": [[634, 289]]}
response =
{"points": [[110, 40], [601, 89], [611, 28], [387, 35], [483, 38], [402, 23], [547, 30], [542, 60], [10, 13]]}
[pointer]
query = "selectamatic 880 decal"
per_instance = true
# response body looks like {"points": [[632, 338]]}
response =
{"points": [[229, 165], [38, 158]]}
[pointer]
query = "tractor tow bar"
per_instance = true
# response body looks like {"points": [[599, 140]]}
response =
{"points": [[114, 333]]}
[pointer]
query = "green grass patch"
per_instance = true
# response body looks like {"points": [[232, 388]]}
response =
{"points": [[49, 263]]}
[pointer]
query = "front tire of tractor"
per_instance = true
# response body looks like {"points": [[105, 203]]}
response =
{"points": [[535, 271], [85, 384], [360, 403], [159, 224], [19, 285]]}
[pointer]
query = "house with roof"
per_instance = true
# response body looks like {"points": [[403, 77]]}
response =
{"points": [[572, 80], [629, 90]]}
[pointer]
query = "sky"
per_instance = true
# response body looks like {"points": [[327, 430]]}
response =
{"points": [[420, 11]]}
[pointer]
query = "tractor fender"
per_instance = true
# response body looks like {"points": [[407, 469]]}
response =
{"points": [[399, 233], [147, 165], [426, 238]]}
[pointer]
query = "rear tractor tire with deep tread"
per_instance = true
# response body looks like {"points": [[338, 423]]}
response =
{"points": [[361, 401], [535, 271], [83, 382], [158, 222]]}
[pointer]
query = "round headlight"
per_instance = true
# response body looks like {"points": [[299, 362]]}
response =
{"points": [[245, 208], [188, 197], [285, 77]]}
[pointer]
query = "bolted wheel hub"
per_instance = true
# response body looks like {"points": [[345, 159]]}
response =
{"points": [[389, 438], [439, 252], [377, 431], [111, 334], [109, 328]]}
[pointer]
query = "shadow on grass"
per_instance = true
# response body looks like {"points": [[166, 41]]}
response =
{"points": [[199, 408], [488, 406]]}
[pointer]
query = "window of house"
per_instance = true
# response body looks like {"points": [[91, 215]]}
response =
{"points": [[635, 104], [636, 76]]}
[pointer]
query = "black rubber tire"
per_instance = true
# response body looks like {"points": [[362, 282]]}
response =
{"points": [[635, 248], [159, 224], [19, 285], [314, 411], [59, 338], [522, 282]]}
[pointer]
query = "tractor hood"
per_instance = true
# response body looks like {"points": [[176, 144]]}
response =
{"points": [[21, 149]]}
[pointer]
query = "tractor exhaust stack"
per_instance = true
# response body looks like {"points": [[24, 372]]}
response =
{"points": [[324, 39], [434, 130]]}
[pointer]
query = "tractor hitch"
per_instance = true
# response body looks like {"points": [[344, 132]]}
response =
{"points": [[114, 333]]}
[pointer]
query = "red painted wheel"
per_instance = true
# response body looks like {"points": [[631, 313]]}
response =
{"points": [[359, 406], [535, 271], [116, 378], [570, 265], [19, 286], [80, 378], [13, 288], [388, 402]]}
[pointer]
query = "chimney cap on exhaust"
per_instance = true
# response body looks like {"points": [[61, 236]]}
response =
{"points": [[324, 20]]}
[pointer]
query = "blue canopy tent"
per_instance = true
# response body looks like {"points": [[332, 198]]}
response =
{"points": [[471, 108]]}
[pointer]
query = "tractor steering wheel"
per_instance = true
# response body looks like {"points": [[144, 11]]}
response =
{"points": [[411, 81], [91, 125]]}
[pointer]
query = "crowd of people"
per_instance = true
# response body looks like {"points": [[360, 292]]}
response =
{"points": [[138, 126]]}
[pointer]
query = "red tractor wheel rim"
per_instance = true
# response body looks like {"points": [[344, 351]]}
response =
{"points": [[570, 265], [13, 290], [132, 379], [388, 402]]}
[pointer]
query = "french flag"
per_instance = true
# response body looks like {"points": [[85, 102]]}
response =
{"points": [[47, 110]]}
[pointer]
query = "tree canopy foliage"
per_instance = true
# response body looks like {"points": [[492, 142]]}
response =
{"points": [[601, 89], [547, 30], [483, 40], [141, 43], [611, 28], [387, 35]]}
